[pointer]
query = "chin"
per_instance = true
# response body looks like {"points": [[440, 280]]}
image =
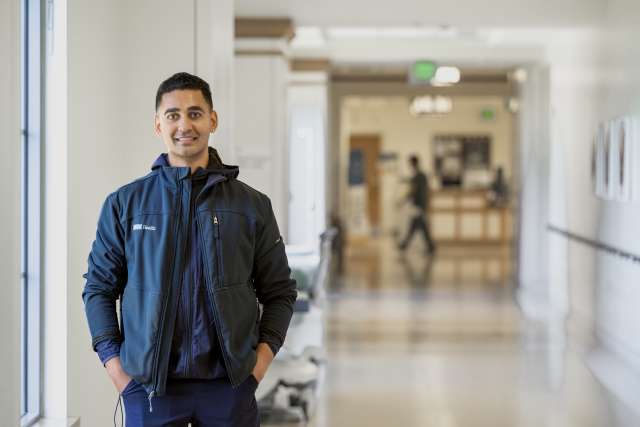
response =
{"points": [[188, 152]]}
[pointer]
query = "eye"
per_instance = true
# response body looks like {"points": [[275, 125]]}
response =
{"points": [[172, 116], [195, 114]]}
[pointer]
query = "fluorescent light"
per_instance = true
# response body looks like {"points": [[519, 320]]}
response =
{"points": [[418, 32], [308, 37], [446, 76]]}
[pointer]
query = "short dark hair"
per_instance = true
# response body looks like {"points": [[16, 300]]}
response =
{"points": [[184, 81], [414, 160]]}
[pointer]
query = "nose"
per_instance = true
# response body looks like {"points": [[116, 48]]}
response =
{"points": [[184, 124]]}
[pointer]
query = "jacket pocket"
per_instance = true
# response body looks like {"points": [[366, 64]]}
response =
{"points": [[238, 316], [140, 318], [228, 242]]}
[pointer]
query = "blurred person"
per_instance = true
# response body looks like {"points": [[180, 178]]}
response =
{"points": [[190, 251], [337, 244], [498, 193], [418, 197]]}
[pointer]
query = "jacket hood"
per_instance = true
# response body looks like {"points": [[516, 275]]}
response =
{"points": [[215, 165]]}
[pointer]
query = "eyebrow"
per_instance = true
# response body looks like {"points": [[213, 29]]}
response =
{"points": [[176, 110]]}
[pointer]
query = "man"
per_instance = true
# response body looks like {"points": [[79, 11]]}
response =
{"points": [[419, 198], [190, 251]]}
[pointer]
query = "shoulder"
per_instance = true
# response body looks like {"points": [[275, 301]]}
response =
{"points": [[244, 189], [138, 183], [121, 194], [248, 199]]}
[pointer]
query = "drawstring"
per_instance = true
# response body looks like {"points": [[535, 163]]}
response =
{"points": [[151, 396], [115, 412]]}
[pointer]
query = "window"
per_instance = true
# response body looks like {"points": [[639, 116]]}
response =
{"points": [[31, 81]]}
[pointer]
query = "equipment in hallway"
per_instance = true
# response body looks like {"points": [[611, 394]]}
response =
{"points": [[288, 392]]}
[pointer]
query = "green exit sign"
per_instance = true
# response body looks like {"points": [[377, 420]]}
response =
{"points": [[488, 114], [422, 71]]}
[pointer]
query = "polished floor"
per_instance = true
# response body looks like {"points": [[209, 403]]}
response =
{"points": [[438, 341]]}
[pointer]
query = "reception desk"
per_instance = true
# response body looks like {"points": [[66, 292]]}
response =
{"points": [[465, 216]]}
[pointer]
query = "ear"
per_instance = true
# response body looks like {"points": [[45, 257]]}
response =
{"points": [[156, 125], [214, 122]]}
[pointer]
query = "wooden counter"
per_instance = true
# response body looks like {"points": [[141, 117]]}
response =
{"points": [[465, 216]]}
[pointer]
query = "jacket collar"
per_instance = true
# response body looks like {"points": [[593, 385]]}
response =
{"points": [[214, 167]]}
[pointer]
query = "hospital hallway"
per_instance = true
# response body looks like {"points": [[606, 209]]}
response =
{"points": [[505, 132], [420, 342]]}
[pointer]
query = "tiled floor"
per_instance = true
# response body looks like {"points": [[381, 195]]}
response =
{"points": [[440, 342]]}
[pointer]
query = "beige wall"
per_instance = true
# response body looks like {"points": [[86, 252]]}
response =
{"points": [[404, 135]]}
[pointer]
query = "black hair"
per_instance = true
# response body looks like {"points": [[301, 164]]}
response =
{"points": [[414, 160], [184, 81]]}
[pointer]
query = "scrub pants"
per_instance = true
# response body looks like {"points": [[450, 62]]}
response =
{"points": [[203, 403]]}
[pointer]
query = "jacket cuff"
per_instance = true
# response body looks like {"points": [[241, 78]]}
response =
{"points": [[107, 350]]}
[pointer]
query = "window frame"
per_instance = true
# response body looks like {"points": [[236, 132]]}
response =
{"points": [[31, 59]]}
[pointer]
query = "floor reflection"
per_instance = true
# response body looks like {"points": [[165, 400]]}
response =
{"points": [[438, 341]]}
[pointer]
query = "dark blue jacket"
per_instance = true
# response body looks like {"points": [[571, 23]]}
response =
{"points": [[139, 257], [195, 351]]}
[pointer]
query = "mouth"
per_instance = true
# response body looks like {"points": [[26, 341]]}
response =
{"points": [[185, 139]]}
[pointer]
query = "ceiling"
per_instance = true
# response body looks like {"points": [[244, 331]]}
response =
{"points": [[468, 33], [468, 14]]}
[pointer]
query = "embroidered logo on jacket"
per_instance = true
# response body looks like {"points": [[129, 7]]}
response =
{"points": [[137, 227]]}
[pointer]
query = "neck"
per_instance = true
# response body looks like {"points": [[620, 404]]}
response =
{"points": [[201, 161]]}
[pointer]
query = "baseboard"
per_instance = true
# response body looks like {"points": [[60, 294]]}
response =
{"points": [[619, 378], [57, 422]]}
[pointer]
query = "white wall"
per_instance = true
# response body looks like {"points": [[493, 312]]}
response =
{"points": [[260, 117], [307, 136], [118, 53], [403, 134], [215, 42], [616, 279], [10, 212], [593, 77], [533, 191], [575, 93]]}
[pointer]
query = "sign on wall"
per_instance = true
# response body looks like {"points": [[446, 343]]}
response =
{"points": [[615, 160]]}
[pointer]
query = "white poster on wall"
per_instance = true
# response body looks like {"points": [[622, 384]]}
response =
{"points": [[619, 136], [615, 160]]}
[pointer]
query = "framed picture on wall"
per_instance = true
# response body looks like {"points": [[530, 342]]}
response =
{"points": [[477, 152], [447, 159], [593, 170], [621, 137], [615, 160], [459, 158], [602, 161]]}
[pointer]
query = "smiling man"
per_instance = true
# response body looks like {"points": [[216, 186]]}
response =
{"points": [[191, 252]]}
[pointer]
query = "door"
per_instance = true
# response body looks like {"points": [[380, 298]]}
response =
{"points": [[369, 146]]}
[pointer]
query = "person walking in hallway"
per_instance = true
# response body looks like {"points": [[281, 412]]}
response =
{"points": [[192, 253], [419, 198]]}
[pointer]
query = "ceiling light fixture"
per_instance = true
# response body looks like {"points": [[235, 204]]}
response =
{"points": [[429, 105], [446, 76]]}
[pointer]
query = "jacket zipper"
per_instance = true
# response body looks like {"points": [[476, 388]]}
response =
{"points": [[156, 356], [216, 235], [188, 294]]}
